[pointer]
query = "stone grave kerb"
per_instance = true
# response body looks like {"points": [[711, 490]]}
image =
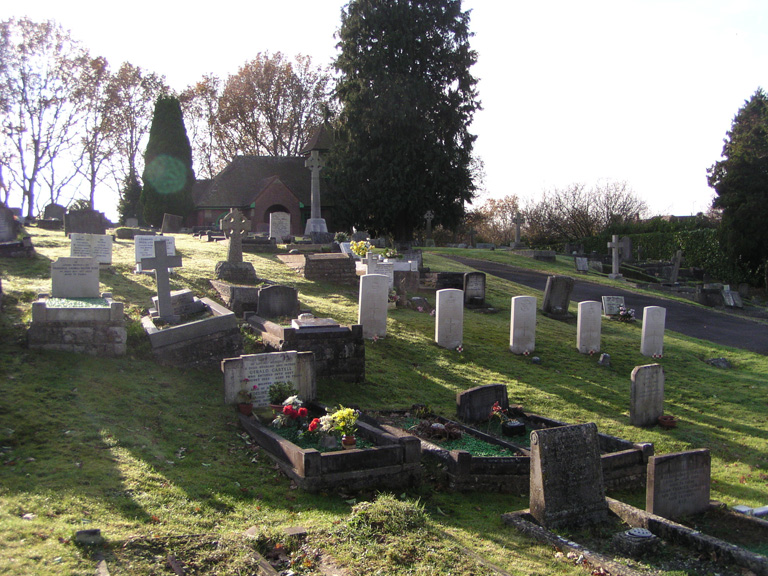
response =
{"points": [[160, 264], [235, 226]]}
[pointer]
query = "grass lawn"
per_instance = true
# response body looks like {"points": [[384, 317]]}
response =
{"points": [[152, 457]]}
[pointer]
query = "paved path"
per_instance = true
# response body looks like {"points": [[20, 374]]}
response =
{"points": [[687, 319]]}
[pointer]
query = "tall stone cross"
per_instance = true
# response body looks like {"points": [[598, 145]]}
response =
{"points": [[316, 222], [160, 264], [429, 215], [518, 221], [614, 245], [235, 226]]}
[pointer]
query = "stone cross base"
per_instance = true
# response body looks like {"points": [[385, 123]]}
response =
{"points": [[240, 273], [615, 276], [315, 225]]}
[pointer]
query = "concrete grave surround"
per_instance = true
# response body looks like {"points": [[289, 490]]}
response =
{"points": [[172, 224], [646, 398], [611, 305], [161, 264], [257, 373], [144, 247], [279, 225], [589, 326], [567, 477], [474, 289], [678, 483], [652, 338], [75, 278], [475, 404], [522, 330], [7, 225], [372, 305], [557, 296], [85, 221], [449, 318], [91, 246]]}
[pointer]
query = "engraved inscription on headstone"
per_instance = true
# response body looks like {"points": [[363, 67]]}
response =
{"points": [[75, 278], [474, 289], [144, 247], [611, 305], [567, 477], [257, 373], [91, 246], [279, 225], [646, 401], [678, 484]]}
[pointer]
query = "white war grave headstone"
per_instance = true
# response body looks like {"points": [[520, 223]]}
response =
{"points": [[144, 247], [646, 397], [615, 246], [75, 278], [161, 264], [522, 330], [589, 327], [91, 246], [449, 318], [257, 373], [652, 338], [279, 226], [372, 305]]}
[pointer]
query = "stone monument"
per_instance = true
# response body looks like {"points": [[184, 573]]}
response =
{"points": [[234, 270]]}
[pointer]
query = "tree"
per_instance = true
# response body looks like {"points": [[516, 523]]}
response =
{"points": [[740, 181], [494, 221], [200, 105], [407, 95], [39, 109], [168, 175], [271, 106], [129, 205]]}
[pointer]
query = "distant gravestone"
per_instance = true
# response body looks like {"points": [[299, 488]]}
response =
{"points": [[678, 484], [732, 299], [161, 263], [596, 265], [589, 327], [346, 248], [172, 224], [615, 247], [91, 246], [7, 225], [676, 266], [652, 338], [522, 331], [475, 404], [132, 222], [518, 220], [144, 247], [474, 289], [626, 249], [611, 305], [567, 477], [360, 235], [257, 373], [279, 226], [646, 399], [278, 301], [582, 264], [235, 226], [557, 296], [75, 278], [372, 305], [54, 212], [449, 318], [85, 222]]}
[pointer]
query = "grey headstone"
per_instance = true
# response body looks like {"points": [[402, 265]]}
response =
{"points": [[646, 401], [132, 222], [75, 278], [522, 330], [589, 327], [567, 477], [91, 246], [626, 249], [611, 305], [475, 404], [372, 305], [172, 224], [277, 301], [449, 318], [557, 295], [582, 263], [652, 335], [7, 225], [256, 373], [678, 484], [85, 222], [54, 212], [279, 225], [474, 289]]}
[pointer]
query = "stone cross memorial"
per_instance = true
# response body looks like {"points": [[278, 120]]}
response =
{"points": [[160, 264], [567, 477], [518, 221], [449, 318], [522, 330], [589, 327], [429, 215], [678, 483], [646, 397], [236, 227], [615, 246], [75, 278], [91, 246], [652, 338], [372, 305]]}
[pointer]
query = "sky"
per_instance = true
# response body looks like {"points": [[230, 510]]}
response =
{"points": [[637, 91]]}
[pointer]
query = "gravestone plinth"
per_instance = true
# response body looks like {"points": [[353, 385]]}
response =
{"points": [[183, 303], [557, 297], [646, 399], [567, 477], [678, 484], [257, 373]]}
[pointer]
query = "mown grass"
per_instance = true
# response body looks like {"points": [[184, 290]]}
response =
{"points": [[148, 454]]}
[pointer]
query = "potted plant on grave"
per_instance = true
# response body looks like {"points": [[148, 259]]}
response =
{"points": [[279, 392], [293, 414], [626, 314], [508, 426], [343, 422], [245, 402], [360, 248]]}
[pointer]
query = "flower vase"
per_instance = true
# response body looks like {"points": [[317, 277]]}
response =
{"points": [[245, 408], [348, 442]]}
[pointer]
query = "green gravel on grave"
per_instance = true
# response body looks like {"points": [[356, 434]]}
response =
{"points": [[77, 303]]}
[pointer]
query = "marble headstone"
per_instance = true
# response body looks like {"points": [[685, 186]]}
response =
{"points": [[372, 305], [646, 398], [75, 278], [589, 327], [652, 338], [522, 330], [449, 318]]}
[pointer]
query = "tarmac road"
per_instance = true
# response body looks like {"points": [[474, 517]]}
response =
{"points": [[695, 321]]}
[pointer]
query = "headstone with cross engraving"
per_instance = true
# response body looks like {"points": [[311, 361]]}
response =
{"points": [[160, 264], [615, 246], [449, 318], [372, 309]]}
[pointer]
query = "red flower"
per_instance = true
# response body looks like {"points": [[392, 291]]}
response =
{"points": [[290, 411], [314, 424], [302, 412]]}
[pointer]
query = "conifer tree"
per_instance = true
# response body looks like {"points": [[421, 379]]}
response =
{"points": [[168, 176]]}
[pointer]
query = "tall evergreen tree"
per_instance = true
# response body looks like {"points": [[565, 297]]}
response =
{"points": [[129, 205], [740, 180], [403, 145], [168, 175]]}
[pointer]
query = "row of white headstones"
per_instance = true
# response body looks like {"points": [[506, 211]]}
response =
{"points": [[449, 320]]}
